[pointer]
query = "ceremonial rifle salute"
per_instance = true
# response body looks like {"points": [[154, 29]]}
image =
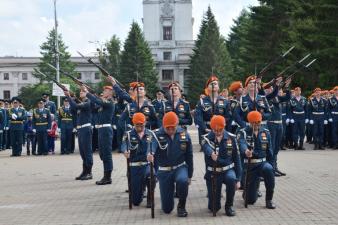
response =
{"points": [[172, 149], [84, 132], [220, 147], [105, 130]]}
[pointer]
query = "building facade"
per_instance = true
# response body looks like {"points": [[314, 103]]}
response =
{"points": [[16, 72], [168, 29]]}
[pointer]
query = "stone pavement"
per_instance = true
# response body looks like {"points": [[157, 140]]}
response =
{"points": [[42, 190]]}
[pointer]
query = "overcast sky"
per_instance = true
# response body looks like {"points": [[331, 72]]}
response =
{"points": [[24, 24]]}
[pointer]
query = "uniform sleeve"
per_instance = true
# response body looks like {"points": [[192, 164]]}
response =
{"points": [[59, 117], [236, 159], [187, 120], [122, 94], [243, 146], [269, 155], [189, 157], [286, 97], [49, 121], [207, 149], [124, 146], [198, 117], [153, 118], [273, 94]]}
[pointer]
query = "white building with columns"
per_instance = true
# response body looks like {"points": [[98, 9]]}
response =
{"points": [[16, 72], [168, 28]]}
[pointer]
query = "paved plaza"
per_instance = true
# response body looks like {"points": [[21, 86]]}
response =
{"points": [[42, 190]]}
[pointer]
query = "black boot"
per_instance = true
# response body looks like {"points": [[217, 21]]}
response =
{"points": [[321, 147], [229, 211], [28, 152], [88, 173], [268, 200], [295, 146], [106, 179], [181, 211], [301, 143], [315, 147], [82, 173]]}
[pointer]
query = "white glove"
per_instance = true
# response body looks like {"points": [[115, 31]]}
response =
{"points": [[311, 121], [331, 120], [59, 130], [306, 120], [233, 123], [114, 127], [287, 121], [325, 122], [292, 121], [48, 130], [74, 130], [34, 131], [14, 116]]}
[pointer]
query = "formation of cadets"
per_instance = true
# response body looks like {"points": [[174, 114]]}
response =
{"points": [[240, 135]]}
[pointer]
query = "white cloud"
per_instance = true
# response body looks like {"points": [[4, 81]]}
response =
{"points": [[25, 23]]}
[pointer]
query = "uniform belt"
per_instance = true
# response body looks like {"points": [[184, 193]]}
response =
{"points": [[335, 113], [41, 124], [262, 123], [102, 125], [170, 168], [20, 122], [283, 114], [221, 169], [67, 119], [135, 164], [295, 112], [6, 128], [84, 125], [276, 121], [255, 160], [318, 113]]}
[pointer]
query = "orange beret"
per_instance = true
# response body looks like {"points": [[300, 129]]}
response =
{"points": [[132, 84], [254, 117], [211, 79], [139, 118], [137, 84], [250, 78], [170, 119], [108, 87], [176, 84], [332, 91], [217, 122], [235, 86], [317, 89], [335, 88], [298, 89]]}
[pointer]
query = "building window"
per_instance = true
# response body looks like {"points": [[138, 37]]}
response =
{"points": [[7, 94], [24, 76], [97, 76], [79, 76], [167, 33], [166, 55], [167, 74], [6, 76]]}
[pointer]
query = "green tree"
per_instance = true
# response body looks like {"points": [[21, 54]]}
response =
{"points": [[31, 93], [210, 55], [136, 59]]}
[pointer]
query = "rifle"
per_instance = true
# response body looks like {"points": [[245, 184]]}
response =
{"points": [[151, 182], [275, 61], [57, 83], [129, 177], [102, 70], [214, 177], [77, 81]]}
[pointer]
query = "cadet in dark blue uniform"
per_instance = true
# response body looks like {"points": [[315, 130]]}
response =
{"points": [[135, 145], [275, 123], [84, 131], [3, 118], [50, 105], [208, 107], [17, 116], [181, 107], [298, 118], [174, 154], [105, 130], [6, 136], [333, 116], [237, 89], [221, 151], [158, 103], [66, 126], [140, 104], [255, 145], [318, 116], [41, 126]]}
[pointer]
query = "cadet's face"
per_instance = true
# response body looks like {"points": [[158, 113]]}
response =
{"points": [[141, 92], [107, 93], [218, 132], [65, 103], [16, 104], [82, 94], [215, 88], [40, 105], [298, 92], [139, 128], [175, 91], [170, 130], [159, 95], [336, 93], [251, 85]]}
